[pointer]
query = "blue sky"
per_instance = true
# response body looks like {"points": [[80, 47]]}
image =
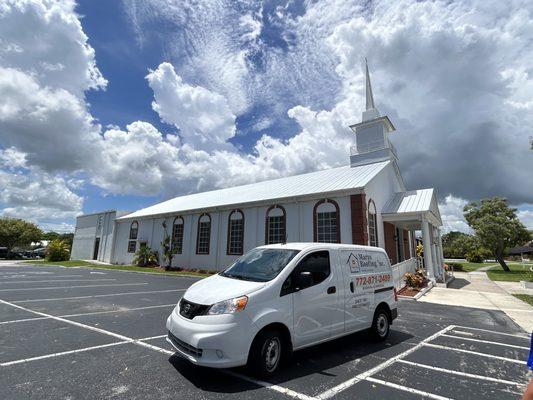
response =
{"points": [[120, 104]]}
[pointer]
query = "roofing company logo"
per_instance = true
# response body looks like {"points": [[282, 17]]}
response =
{"points": [[354, 263]]}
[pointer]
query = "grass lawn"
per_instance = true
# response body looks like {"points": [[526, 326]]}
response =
{"points": [[469, 266], [80, 263], [525, 297], [518, 273]]}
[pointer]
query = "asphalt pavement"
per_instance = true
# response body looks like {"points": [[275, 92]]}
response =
{"points": [[82, 333]]}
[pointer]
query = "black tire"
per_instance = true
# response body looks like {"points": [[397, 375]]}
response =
{"points": [[381, 324], [268, 350]]}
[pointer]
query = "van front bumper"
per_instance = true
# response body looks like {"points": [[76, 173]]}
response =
{"points": [[217, 341]]}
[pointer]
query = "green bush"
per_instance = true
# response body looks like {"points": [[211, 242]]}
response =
{"points": [[57, 251], [146, 257], [455, 266], [475, 256]]}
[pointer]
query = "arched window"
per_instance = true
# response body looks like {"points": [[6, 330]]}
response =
{"points": [[275, 229], [372, 224], [235, 233], [132, 242], [203, 237], [326, 218], [177, 235]]}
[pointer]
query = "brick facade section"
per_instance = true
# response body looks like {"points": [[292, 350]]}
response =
{"points": [[406, 249], [359, 220], [390, 244]]}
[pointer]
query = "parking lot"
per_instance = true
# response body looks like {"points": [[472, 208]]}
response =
{"points": [[90, 333]]}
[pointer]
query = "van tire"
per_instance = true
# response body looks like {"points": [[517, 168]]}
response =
{"points": [[381, 324], [266, 354]]}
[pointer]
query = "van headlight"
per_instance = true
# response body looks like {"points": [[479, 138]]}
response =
{"points": [[230, 306]]}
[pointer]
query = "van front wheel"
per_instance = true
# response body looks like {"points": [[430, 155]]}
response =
{"points": [[380, 325], [266, 353]]}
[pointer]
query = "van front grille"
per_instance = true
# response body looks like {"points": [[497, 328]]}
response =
{"points": [[185, 347], [190, 310]]}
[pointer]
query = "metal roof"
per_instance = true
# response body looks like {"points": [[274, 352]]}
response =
{"points": [[326, 181], [413, 202]]}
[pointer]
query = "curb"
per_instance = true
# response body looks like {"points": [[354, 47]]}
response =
{"points": [[419, 294]]}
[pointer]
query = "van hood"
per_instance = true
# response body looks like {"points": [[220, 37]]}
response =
{"points": [[219, 288]]}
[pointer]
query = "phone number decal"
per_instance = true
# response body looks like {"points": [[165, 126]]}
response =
{"points": [[371, 280]]}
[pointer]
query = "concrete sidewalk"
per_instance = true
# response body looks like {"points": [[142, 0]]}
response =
{"points": [[476, 290]]}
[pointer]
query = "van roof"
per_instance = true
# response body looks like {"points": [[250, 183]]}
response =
{"points": [[309, 245]]}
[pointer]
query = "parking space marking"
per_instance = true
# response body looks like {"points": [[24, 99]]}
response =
{"points": [[74, 287], [364, 375], [63, 353], [126, 339], [495, 332], [89, 313], [98, 295], [62, 280], [21, 275], [408, 389], [459, 373], [486, 341], [438, 346]]}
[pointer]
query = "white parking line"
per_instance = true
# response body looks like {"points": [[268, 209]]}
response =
{"points": [[364, 375], [495, 332], [30, 277], [408, 389], [459, 373], [62, 280], [74, 287], [438, 346], [89, 313], [487, 341], [97, 295], [139, 342], [63, 353]]}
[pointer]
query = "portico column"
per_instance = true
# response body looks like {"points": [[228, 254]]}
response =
{"points": [[434, 253], [440, 253], [426, 238]]}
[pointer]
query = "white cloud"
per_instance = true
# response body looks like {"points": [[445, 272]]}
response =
{"points": [[451, 211], [203, 117], [45, 39], [526, 216], [35, 195]]}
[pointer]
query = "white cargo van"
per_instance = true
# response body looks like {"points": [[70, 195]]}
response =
{"points": [[280, 298]]}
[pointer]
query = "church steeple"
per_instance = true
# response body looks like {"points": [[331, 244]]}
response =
{"points": [[372, 134], [371, 111]]}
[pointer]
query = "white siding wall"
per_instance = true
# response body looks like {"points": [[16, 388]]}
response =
{"points": [[380, 189], [86, 233], [299, 221]]}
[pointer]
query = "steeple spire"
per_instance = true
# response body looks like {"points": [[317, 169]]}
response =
{"points": [[369, 95], [371, 111]]}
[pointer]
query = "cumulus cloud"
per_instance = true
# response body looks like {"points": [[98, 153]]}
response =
{"points": [[203, 116], [526, 216], [451, 210]]}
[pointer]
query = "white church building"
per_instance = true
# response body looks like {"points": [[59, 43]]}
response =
{"points": [[364, 202]]}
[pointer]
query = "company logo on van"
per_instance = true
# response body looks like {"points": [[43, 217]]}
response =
{"points": [[362, 261], [354, 263]]}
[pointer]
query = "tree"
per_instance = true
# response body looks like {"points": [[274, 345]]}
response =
{"points": [[457, 244], [166, 245], [65, 237], [17, 232], [496, 225]]}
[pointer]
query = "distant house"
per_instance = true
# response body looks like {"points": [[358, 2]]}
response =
{"points": [[526, 249], [364, 202]]}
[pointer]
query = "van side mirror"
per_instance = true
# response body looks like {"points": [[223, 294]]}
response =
{"points": [[303, 280]]}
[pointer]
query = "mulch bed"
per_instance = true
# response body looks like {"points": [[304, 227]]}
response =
{"points": [[408, 291]]}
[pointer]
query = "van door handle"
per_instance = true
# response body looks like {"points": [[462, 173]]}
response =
{"points": [[332, 289], [351, 287]]}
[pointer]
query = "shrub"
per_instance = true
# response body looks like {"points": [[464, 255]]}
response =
{"points": [[475, 256], [57, 251], [415, 280], [455, 266], [146, 257]]}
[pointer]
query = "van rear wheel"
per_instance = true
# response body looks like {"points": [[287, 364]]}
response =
{"points": [[380, 325], [266, 353]]}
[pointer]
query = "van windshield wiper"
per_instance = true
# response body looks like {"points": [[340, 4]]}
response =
{"points": [[239, 277]]}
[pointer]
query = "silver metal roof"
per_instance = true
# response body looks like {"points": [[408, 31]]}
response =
{"points": [[413, 201], [326, 181]]}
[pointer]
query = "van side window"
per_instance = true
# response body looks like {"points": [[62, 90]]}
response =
{"points": [[316, 263]]}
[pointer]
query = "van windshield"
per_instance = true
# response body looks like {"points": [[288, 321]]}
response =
{"points": [[260, 265]]}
